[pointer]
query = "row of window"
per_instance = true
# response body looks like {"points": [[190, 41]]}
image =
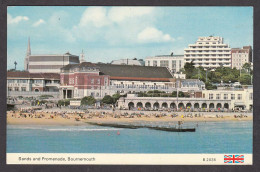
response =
{"points": [[209, 59], [232, 96], [16, 89], [207, 55], [208, 51], [202, 64], [24, 81]]}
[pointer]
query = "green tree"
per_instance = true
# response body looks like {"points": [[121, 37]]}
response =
{"points": [[209, 86], [89, 100], [115, 97], [107, 100], [174, 94], [245, 79], [181, 94], [189, 69], [247, 67]]}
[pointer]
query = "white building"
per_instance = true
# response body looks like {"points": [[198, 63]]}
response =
{"points": [[173, 62], [241, 56], [134, 61], [49, 63], [240, 97], [208, 52]]}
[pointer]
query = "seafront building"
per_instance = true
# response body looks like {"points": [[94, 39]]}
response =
{"points": [[134, 61], [47, 63], [224, 99], [208, 52], [240, 56], [32, 84], [173, 62], [98, 80]]}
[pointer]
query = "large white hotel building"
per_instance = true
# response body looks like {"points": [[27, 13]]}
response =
{"points": [[208, 52], [173, 62]]}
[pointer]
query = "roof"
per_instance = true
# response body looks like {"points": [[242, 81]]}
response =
{"points": [[84, 64], [25, 74], [126, 72]]}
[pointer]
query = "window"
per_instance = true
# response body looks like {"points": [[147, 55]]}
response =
{"points": [[232, 96], [218, 96], [239, 96], [16, 89], [225, 96], [98, 81], [92, 81], [210, 96], [174, 64], [76, 80], [23, 88], [37, 81], [164, 63], [251, 96], [10, 89], [148, 63], [154, 63]]}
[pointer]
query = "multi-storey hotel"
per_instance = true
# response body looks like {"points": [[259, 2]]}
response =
{"points": [[173, 62], [47, 63], [240, 56], [208, 52]]}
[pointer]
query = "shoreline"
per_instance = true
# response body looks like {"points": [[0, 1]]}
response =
{"points": [[74, 119]]}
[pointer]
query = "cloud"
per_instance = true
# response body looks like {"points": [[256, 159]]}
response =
{"points": [[17, 19], [119, 25], [118, 14], [96, 16], [39, 22], [151, 34]]}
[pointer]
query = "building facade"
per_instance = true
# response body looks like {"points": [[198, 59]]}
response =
{"points": [[240, 97], [80, 80], [25, 82], [173, 62], [47, 63], [98, 80], [240, 56], [208, 52], [210, 100]]}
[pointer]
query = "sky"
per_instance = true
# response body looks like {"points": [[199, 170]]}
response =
{"points": [[110, 33]]}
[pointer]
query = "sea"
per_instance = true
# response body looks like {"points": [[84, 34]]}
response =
{"points": [[210, 137]]}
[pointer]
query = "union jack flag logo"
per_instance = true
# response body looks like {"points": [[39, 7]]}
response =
{"points": [[233, 158]]}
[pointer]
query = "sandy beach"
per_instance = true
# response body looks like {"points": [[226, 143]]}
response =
{"points": [[80, 118]]}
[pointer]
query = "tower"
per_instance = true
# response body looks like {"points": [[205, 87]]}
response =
{"points": [[28, 53], [82, 57]]}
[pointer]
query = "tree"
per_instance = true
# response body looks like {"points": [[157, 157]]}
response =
{"points": [[115, 97], [89, 100], [174, 94], [181, 94], [189, 69], [107, 100], [209, 86], [247, 67], [245, 79]]}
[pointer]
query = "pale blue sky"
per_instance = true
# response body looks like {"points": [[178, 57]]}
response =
{"points": [[109, 33]]}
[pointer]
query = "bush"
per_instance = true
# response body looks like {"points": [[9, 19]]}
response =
{"points": [[89, 100], [107, 100], [65, 102]]}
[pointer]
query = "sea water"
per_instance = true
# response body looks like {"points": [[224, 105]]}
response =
{"points": [[210, 137]]}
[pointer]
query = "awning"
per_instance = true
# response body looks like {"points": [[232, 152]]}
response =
{"points": [[239, 104]]}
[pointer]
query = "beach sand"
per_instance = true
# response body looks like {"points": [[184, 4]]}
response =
{"points": [[74, 119]]}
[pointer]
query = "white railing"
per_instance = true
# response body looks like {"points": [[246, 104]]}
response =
{"points": [[31, 94]]}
